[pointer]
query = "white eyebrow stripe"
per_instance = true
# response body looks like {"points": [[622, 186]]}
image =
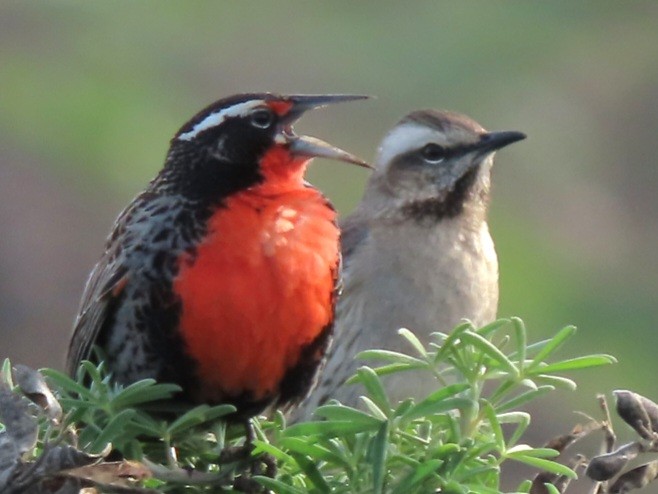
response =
{"points": [[403, 139], [217, 118]]}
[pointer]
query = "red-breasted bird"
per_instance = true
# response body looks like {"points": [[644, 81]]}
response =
{"points": [[221, 276], [417, 251]]}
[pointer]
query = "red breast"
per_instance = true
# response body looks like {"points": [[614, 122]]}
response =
{"points": [[220, 276], [259, 288]]}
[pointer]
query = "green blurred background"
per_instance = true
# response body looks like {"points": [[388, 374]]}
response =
{"points": [[91, 92]]}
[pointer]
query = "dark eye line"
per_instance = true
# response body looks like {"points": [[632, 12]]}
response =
{"points": [[454, 151]]}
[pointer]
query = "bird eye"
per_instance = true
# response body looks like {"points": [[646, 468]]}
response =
{"points": [[261, 119], [433, 153]]}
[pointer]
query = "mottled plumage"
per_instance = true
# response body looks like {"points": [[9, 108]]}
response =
{"points": [[221, 275]]}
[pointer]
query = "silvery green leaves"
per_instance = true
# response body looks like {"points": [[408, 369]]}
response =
{"points": [[41, 451], [37, 455], [455, 439]]}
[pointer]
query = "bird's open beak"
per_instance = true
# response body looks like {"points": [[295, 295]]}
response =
{"points": [[492, 141], [310, 146]]}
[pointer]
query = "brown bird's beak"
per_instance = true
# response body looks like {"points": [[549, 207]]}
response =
{"points": [[310, 146]]}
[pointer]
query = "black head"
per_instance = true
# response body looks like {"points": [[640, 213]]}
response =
{"points": [[220, 149]]}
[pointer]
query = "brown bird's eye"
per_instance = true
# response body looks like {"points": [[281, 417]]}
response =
{"points": [[261, 119], [433, 153]]}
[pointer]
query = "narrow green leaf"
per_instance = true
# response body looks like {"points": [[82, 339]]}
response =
{"points": [[454, 431], [66, 383], [474, 473], [529, 383], [403, 407], [448, 345], [521, 340], [112, 430], [513, 417], [492, 327], [424, 470], [576, 363], [312, 471], [377, 455], [390, 356], [217, 411], [277, 453], [427, 408], [375, 389], [544, 465], [491, 350], [136, 387], [524, 398], [551, 345], [395, 368], [88, 435], [340, 412], [92, 371], [420, 471], [413, 340], [531, 349], [446, 392], [556, 381], [277, 486], [389, 369], [5, 373], [524, 449], [424, 407], [143, 391], [199, 415], [330, 428], [372, 407], [490, 414], [314, 450], [478, 448], [522, 421], [193, 417], [145, 427], [504, 388], [447, 450], [524, 487], [482, 489], [551, 489], [454, 487]]}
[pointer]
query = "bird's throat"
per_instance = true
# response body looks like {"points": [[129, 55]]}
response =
{"points": [[281, 171], [450, 206]]}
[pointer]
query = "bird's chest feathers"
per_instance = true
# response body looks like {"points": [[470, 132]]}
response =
{"points": [[253, 231], [258, 288], [420, 274]]}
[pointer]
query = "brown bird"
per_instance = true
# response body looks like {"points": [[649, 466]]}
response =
{"points": [[417, 251]]}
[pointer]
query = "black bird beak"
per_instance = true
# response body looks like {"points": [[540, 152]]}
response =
{"points": [[310, 146], [492, 141]]}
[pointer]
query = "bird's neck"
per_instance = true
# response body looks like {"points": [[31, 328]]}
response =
{"points": [[205, 179], [468, 197], [281, 171], [466, 205]]}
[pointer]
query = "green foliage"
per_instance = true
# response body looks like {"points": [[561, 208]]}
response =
{"points": [[453, 440]]}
